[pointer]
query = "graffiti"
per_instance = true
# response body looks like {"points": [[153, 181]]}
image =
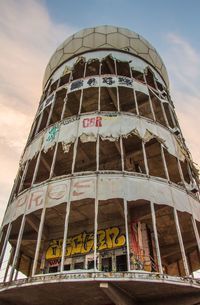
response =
{"points": [[57, 191], [52, 133], [125, 81], [76, 84], [83, 243], [92, 82], [80, 187], [92, 122], [36, 199], [108, 80]]}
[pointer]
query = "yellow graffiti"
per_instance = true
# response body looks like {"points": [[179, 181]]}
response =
{"points": [[83, 243]]}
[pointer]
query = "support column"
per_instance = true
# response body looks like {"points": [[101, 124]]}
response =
{"points": [[185, 263], [17, 250], [127, 236], [145, 159], [5, 243], [156, 238], [38, 241]]}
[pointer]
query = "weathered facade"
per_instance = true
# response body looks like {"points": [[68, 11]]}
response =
{"points": [[105, 206]]}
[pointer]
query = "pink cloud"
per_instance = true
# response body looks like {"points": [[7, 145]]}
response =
{"points": [[28, 37]]}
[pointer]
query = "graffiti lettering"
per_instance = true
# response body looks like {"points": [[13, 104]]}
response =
{"points": [[108, 80], [77, 84], [92, 122], [125, 81], [83, 243], [92, 82]]}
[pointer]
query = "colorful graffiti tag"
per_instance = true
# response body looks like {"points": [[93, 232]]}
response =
{"points": [[83, 243]]}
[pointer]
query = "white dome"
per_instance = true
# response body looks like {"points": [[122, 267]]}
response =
{"points": [[106, 37]]}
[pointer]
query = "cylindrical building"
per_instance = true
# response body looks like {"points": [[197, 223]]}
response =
{"points": [[105, 206]]}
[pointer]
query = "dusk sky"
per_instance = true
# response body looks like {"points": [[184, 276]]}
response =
{"points": [[30, 31]]}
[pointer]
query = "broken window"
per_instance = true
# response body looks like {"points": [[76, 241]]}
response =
{"points": [[126, 99], [72, 104], [29, 173], [85, 156], [154, 158], [168, 115], [108, 65], [109, 155], [111, 233], [92, 67], [133, 154], [90, 100], [139, 76], [150, 78], [172, 167], [44, 167], [168, 241], [64, 79], [141, 237], [157, 107], [78, 69], [58, 106], [108, 99], [123, 68], [64, 159], [45, 116], [143, 103]]}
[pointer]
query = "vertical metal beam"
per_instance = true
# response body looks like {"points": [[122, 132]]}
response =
{"points": [[5, 243], [164, 114], [118, 106], [35, 261], [23, 175], [17, 250], [127, 235], [164, 163], [145, 159], [181, 172], [150, 101], [134, 94], [17, 267], [185, 263], [39, 121], [156, 237], [51, 110], [99, 89], [96, 223], [122, 152], [66, 228], [36, 168], [8, 264]]}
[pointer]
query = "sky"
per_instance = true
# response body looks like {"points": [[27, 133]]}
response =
{"points": [[30, 31]]}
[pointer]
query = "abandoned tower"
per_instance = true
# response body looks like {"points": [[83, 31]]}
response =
{"points": [[105, 207]]}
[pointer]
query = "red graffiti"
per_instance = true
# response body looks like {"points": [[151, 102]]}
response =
{"points": [[81, 185], [36, 199], [92, 122]]}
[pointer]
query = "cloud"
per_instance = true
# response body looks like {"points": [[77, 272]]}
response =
{"points": [[28, 37], [183, 64]]}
